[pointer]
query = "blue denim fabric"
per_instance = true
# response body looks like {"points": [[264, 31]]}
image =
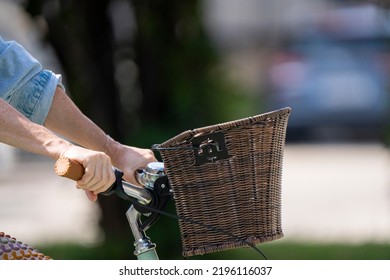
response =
{"points": [[23, 83]]}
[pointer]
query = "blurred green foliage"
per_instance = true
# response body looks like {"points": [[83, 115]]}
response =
{"points": [[182, 81], [276, 250]]}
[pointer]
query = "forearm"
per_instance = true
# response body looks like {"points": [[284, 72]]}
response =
{"points": [[67, 120], [29, 91], [16, 130]]}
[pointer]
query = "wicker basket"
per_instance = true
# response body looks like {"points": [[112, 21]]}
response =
{"points": [[226, 180]]}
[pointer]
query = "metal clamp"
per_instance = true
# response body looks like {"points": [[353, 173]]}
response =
{"points": [[211, 147]]}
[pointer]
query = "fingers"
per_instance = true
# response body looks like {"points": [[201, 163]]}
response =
{"points": [[130, 159], [91, 196], [98, 176], [148, 155], [98, 173]]}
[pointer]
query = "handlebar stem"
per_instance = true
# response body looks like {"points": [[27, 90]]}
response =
{"points": [[142, 242]]}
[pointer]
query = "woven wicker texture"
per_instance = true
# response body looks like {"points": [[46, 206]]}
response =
{"points": [[239, 194], [12, 249]]}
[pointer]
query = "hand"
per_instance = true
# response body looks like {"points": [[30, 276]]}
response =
{"points": [[130, 159], [98, 176]]}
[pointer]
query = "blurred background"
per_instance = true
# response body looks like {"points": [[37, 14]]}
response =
{"points": [[146, 70]]}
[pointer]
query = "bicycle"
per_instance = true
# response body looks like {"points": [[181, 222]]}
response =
{"points": [[237, 162]]}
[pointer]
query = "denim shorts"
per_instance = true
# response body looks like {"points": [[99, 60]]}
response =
{"points": [[34, 98]]}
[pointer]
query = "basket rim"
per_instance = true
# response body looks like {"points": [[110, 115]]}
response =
{"points": [[178, 139]]}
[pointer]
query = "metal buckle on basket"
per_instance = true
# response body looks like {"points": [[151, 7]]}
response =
{"points": [[210, 148]]}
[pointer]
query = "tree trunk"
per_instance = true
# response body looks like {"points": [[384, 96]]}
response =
{"points": [[81, 34]]}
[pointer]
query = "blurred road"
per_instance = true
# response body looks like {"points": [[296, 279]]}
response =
{"points": [[37, 206], [331, 193], [337, 193]]}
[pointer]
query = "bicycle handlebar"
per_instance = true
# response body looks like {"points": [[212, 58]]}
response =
{"points": [[73, 170], [148, 200], [68, 168]]}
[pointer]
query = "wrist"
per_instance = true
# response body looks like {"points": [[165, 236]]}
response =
{"points": [[108, 143], [112, 148], [57, 147]]}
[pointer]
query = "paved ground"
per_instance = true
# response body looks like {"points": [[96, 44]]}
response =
{"points": [[337, 193], [331, 193], [37, 206]]}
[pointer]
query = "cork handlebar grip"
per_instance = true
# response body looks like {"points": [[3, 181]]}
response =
{"points": [[68, 168]]}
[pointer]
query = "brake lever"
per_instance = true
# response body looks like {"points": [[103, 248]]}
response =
{"points": [[117, 186]]}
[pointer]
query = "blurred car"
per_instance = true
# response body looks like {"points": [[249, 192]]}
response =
{"points": [[335, 83]]}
